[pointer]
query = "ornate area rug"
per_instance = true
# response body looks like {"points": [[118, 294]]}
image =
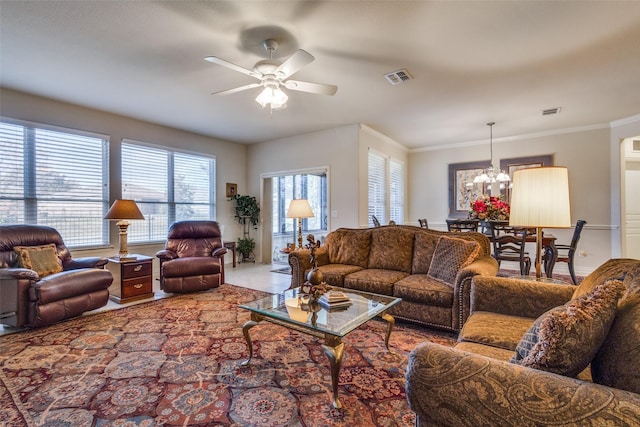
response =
{"points": [[176, 361]]}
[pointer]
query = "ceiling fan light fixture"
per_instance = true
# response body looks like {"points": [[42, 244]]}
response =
{"points": [[274, 96]]}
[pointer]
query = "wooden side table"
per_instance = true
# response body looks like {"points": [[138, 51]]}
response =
{"points": [[232, 247], [132, 280]]}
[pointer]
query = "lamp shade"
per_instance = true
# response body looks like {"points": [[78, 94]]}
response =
{"points": [[124, 209], [299, 208], [540, 198]]}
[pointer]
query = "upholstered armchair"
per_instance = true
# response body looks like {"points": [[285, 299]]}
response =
{"points": [[40, 283], [193, 257]]}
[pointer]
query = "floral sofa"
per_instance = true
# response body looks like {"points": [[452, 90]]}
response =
{"points": [[537, 354], [430, 270]]}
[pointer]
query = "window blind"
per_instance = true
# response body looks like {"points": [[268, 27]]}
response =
{"points": [[377, 178], [57, 178], [396, 191], [168, 186]]}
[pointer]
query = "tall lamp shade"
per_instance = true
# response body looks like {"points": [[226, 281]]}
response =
{"points": [[123, 211], [540, 199], [299, 208]]}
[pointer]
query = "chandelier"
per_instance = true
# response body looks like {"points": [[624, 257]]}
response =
{"points": [[489, 175]]}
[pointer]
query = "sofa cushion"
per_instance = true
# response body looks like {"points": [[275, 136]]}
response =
{"points": [[612, 269], [334, 274], [495, 329], [391, 249], [374, 280], [616, 363], [424, 289], [485, 350], [42, 259], [451, 256], [191, 266], [424, 245], [565, 339], [350, 247]]}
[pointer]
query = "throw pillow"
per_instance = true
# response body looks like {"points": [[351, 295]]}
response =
{"points": [[43, 259], [451, 256], [424, 245], [565, 339], [616, 364]]}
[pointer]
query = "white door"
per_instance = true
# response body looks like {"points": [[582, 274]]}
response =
{"points": [[631, 244]]}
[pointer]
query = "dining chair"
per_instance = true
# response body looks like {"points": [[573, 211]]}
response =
{"points": [[566, 253], [509, 245], [459, 225], [423, 222]]}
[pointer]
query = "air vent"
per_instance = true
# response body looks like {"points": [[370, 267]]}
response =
{"points": [[398, 77], [636, 145], [550, 111]]}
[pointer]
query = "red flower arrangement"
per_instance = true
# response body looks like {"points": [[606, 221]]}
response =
{"points": [[490, 208]]}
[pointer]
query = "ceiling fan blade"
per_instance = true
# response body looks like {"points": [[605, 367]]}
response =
{"points": [[319, 88], [237, 89], [296, 61], [225, 63]]}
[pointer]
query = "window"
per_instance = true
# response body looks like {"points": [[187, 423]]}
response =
{"points": [[168, 186], [396, 191], [377, 188], [310, 186], [386, 189], [55, 177]]}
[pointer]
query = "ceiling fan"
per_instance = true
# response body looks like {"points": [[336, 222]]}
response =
{"points": [[274, 75]]}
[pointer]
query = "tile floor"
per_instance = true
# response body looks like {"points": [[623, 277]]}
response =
{"points": [[249, 275]]}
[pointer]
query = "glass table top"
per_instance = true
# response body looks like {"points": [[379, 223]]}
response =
{"points": [[290, 307]]}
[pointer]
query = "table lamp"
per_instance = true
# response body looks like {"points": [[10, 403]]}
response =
{"points": [[299, 208], [122, 211], [540, 199]]}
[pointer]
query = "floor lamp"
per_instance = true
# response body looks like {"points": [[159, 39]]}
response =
{"points": [[299, 208], [122, 211], [540, 199]]}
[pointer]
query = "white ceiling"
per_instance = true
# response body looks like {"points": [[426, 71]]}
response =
{"points": [[472, 62]]}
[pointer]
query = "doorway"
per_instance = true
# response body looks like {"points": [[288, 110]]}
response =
{"points": [[630, 180], [280, 189]]}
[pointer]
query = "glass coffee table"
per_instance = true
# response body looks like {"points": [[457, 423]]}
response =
{"points": [[291, 309]]}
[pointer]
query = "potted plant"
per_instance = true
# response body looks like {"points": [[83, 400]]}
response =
{"points": [[247, 209], [248, 214], [246, 246]]}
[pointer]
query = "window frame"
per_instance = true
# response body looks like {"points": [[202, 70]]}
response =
{"points": [[31, 213], [389, 203], [171, 204]]}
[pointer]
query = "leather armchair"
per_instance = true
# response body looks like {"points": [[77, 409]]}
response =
{"points": [[193, 257], [30, 300]]}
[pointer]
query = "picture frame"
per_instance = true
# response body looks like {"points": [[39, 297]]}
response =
{"points": [[232, 189], [460, 193], [512, 165]]}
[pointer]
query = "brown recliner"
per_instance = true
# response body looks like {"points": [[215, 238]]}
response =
{"points": [[193, 258], [26, 299]]}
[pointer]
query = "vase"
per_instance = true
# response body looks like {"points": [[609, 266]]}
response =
{"points": [[314, 277]]}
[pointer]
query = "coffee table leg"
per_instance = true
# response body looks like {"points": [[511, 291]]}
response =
{"points": [[391, 321], [334, 350], [245, 331]]}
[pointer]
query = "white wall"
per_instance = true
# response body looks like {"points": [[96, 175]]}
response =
{"points": [[230, 157], [334, 148], [620, 130], [586, 152], [369, 138]]}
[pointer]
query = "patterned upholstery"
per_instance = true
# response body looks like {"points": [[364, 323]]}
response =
{"points": [[566, 338], [396, 260], [475, 384], [450, 256]]}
